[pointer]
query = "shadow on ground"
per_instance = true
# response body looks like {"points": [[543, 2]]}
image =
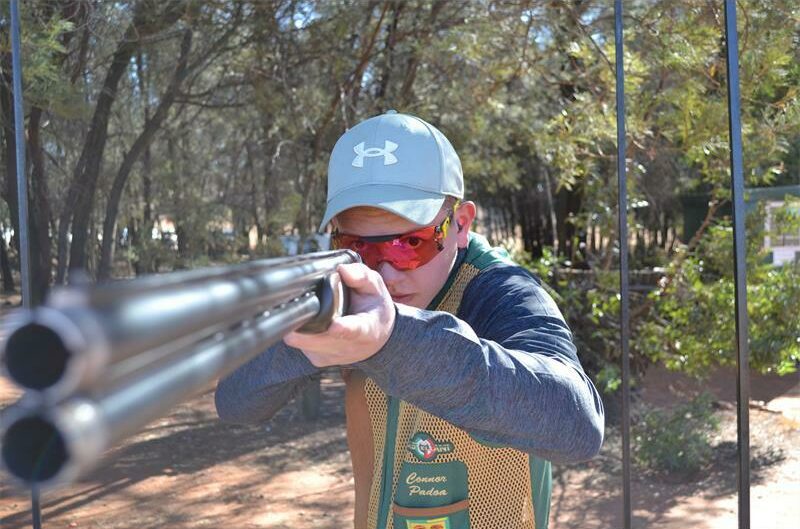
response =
{"points": [[191, 441]]}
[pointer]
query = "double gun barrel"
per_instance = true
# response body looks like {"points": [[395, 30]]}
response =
{"points": [[99, 362]]}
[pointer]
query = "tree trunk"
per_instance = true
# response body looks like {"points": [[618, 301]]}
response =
{"points": [[38, 211], [388, 59], [147, 195], [568, 203], [413, 63], [139, 146], [5, 267], [548, 189], [254, 193], [39, 214], [133, 242], [9, 146], [310, 189], [146, 21]]}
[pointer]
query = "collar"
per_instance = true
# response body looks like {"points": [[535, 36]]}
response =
{"points": [[478, 253]]}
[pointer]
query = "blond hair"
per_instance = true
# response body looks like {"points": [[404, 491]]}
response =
{"points": [[373, 212]]}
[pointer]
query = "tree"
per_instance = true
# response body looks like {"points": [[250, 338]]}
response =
{"points": [[147, 20]]}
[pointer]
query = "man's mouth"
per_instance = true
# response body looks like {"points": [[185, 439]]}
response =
{"points": [[401, 298]]}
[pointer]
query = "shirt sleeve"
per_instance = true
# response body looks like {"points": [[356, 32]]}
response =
{"points": [[505, 369], [258, 389]]}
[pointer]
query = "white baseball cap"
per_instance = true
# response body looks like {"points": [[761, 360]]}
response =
{"points": [[395, 162]]}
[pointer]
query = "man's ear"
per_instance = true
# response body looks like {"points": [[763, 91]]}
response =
{"points": [[463, 218]]}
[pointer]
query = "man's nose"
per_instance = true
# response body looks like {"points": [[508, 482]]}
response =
{"points": [[389, 274]]}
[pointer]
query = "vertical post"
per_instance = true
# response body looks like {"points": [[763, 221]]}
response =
{"points": [[22, 198], [623, 265], [739, 263], [36, 509], [19, 139]]}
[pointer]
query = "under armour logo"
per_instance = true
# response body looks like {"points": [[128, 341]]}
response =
{"points": [[388, 158]]}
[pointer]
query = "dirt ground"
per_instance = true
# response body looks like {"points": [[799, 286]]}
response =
{"points": [[589, 495], [189, 471]]}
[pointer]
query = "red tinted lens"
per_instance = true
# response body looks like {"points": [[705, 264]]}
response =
{"points": [[406, 252]]}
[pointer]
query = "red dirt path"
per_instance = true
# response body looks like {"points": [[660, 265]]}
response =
{"points": [[189, 471]]}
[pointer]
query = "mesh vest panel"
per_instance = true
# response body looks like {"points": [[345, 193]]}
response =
{"points": [[499, 479]]}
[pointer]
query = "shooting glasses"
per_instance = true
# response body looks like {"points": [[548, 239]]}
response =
{"points": [[404, 251]]}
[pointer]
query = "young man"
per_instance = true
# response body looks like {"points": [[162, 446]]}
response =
{"points": [[462, 381]]}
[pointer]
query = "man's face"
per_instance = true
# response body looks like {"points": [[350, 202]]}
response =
{"points": [[418, 287]]}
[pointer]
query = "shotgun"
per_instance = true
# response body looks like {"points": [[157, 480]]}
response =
{"points": [[99, 362]]}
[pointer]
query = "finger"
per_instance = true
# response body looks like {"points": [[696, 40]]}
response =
{"points": [[315, 359], [350, 327], [339, 331], [291, 339], [301, 341], [359, 278]]}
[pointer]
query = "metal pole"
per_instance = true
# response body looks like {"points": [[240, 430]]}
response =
{"points": [[623, 264], [19, 139], [22, 199], [36, 509], [739, 263]]}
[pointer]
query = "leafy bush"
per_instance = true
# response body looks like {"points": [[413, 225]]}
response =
{"points": [[687, 322], [676, 441], [692, 325], [151, 256]]}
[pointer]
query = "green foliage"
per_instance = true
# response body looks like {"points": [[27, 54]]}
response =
{"points": [[785, 220], [272, 247], [687, 322], [525, 92], [609, 379], [42, 32], [677, 440], [153, 255], [220, 247], [692, 325]]}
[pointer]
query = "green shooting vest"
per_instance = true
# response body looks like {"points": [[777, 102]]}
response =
{"points": [[413, 470]]}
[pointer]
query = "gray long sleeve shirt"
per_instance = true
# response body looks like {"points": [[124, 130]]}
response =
{"points": [[504, 369]]}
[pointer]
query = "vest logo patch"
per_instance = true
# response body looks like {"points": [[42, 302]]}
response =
{"points": [[438, 523], [425, 448]]}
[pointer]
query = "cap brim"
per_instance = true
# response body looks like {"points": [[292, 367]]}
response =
{"points": [[414, 205]]}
